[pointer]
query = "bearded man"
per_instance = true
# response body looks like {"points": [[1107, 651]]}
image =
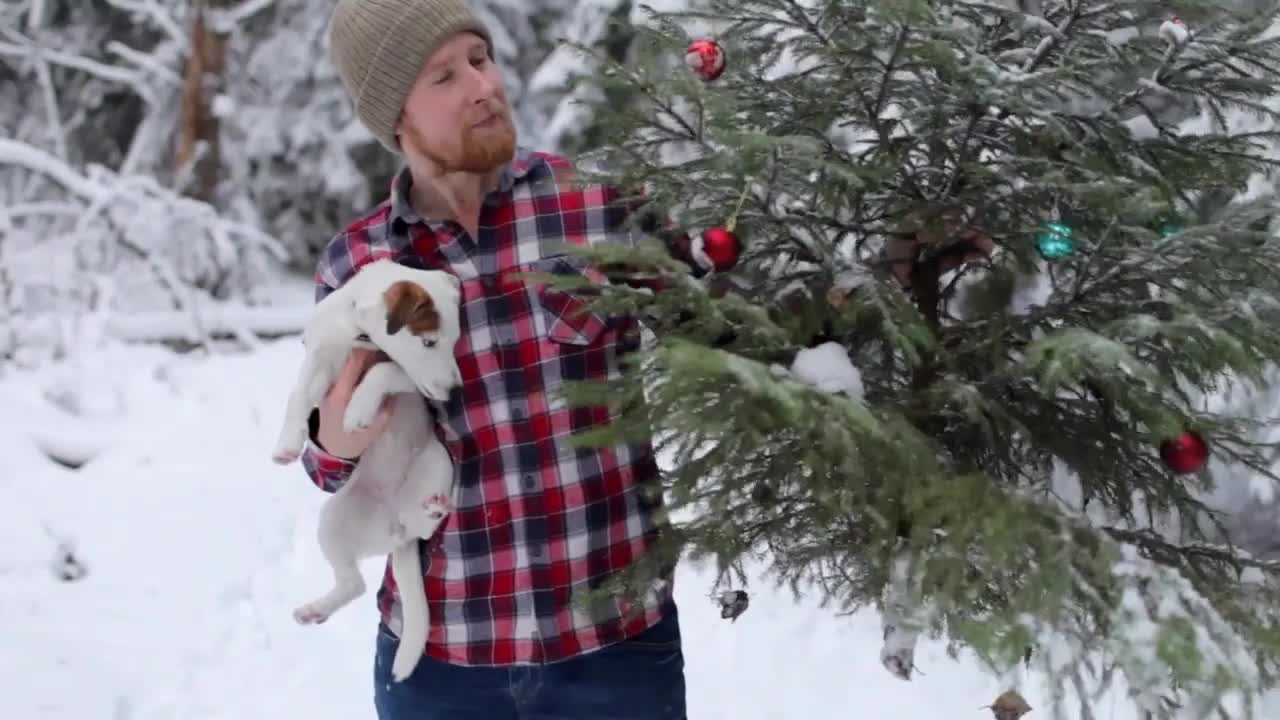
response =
{"points": [[538, 520]]}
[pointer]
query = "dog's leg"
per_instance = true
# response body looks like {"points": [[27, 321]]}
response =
{"points": [[383, 379], [348, 585], [428, 495], [312, 383]]}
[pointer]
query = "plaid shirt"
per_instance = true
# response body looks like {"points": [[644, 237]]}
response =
{"points": [[537, 519]]}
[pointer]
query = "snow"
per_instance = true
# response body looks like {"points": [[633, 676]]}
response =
{"points": [[197, 548], [828, 368]]}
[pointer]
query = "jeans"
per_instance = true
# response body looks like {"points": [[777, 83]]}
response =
{"points": [[641, 678]]}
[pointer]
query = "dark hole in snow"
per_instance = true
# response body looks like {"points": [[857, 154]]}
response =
{"points": [[69, 462], [67, 567], [68, 449], [65, 456]]}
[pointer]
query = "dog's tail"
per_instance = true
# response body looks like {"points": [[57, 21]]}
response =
{"points": [[406, 565]]}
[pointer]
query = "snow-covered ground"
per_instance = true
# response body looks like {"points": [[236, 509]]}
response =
{"points": [[197, 548]]}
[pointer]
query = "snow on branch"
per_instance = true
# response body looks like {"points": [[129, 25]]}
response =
{"points": [[217, 320], [148, 261], [132, 78], [157, 14], [100, 184], [224, 20]]}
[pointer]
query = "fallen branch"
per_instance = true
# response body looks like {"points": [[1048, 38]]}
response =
{"points": [[218, 321]]}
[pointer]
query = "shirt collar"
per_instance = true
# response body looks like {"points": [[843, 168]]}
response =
{"points": [[514, 170]]}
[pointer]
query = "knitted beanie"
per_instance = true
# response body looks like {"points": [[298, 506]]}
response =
{"points": [[380, 46]]}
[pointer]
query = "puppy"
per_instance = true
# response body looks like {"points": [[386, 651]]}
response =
{"points": [[402, 487], [411, 315]]}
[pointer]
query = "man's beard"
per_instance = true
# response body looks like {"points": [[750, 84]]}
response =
{"points": [[481, 150]]}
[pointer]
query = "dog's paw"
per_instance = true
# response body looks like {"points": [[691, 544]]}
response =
{"points": [[286, 452], [437, 506], [289, 444], [361, 412], [309, 614]]}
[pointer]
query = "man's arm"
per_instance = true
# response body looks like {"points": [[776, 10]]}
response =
{"points": [[645, 220]]}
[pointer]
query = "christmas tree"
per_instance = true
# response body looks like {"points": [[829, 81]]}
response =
{"points": [[971, 275]]}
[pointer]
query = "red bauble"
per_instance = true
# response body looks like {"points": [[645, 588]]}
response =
{"points": [[718, 248], [705, 58], [1186, 453]]}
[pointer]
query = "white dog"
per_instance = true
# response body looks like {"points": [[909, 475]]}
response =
{"points": [[411, 315], [402, 487]]}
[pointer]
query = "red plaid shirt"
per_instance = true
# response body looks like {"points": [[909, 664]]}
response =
{"points": [[537, 520]]}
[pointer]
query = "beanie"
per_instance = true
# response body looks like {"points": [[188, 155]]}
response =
{"points": [[380, 46]]}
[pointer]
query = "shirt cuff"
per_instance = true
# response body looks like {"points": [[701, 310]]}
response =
{"points": [[328, 463]]}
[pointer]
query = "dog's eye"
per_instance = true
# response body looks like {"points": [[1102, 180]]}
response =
{"points": [[428, 342]]}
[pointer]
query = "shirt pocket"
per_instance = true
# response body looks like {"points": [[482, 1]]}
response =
{"points": [[569, 317]]}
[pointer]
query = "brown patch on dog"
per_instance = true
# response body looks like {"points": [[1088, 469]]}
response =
{"points": [[408, 305]]}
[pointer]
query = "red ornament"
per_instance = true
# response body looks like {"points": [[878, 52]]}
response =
{"points": [[1186, 453], [718, 248], [705, 58]]}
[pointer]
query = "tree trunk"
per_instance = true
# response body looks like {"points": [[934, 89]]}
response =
{"points": [[196, 157]]}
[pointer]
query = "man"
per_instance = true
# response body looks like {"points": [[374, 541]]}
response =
{"points": [[538, 521]]}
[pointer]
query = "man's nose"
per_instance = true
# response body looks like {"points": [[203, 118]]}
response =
{"points": [[485, 84]]}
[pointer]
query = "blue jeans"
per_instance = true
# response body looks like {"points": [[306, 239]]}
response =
{"points": [[637, 679]]}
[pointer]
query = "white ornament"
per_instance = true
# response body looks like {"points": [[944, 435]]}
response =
{"points": [[1174, 31]]}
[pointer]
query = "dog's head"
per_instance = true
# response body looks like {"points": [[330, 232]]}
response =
{"points": [[414, 319]]}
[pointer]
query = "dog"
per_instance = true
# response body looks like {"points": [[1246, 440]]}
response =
{"points": [[409, 314], [402, 487]]}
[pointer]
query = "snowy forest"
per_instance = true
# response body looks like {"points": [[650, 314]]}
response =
{"points": [[173, 158], [169, 172]]}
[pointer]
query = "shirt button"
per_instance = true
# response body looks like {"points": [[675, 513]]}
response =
{"points": [[530, 482], [517, 413]]}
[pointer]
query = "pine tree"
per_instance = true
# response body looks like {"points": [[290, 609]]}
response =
{"points": [[1076, 199]]}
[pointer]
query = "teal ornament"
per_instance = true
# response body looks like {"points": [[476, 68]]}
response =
{"points": [[1055, 242], [1170, 229]]}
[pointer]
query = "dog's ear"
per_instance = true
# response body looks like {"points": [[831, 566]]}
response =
{"points": [[408, 305]]}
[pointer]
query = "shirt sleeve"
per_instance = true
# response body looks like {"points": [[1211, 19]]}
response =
{"points": [[328, 472]]}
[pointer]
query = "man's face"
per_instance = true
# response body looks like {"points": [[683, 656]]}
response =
{"points": [[457, 114]]}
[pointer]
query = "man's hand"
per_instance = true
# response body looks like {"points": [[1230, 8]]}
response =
{"points": [[973, 246], [330, 435]]}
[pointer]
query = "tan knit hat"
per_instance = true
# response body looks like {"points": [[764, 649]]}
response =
{"points": [[380, 46]]}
